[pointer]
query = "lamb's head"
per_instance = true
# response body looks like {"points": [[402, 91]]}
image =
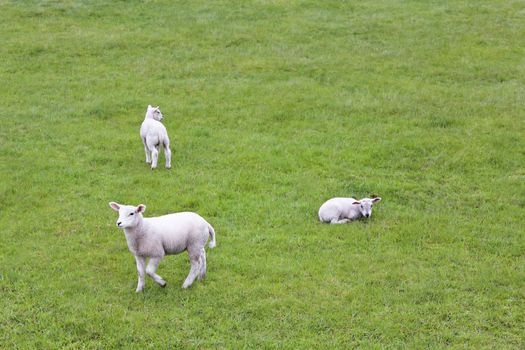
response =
{"points": [[154, 113], [365, 205], [128, 215]]}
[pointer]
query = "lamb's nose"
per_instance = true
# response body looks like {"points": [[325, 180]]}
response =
{"points": [[367, 215], [119, 223]]}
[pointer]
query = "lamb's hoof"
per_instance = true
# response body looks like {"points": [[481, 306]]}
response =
{"points": [[139, 290], [163, 285], [168, 167], [153, 168]]}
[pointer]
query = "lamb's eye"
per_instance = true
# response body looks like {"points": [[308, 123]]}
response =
{"points": [[131, 214]]}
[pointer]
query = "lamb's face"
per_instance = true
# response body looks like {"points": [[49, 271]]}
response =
{"points": [[155, 113], [128, 215], [365, 206]]}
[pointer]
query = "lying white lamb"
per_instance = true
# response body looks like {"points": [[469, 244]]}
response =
{"points": [[156, 237], [153, 134], [343, 210]]}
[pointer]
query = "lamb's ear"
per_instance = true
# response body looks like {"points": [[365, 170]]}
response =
{"points": [[356, 202], [141, 208], [115, 206], [376, 199], [149, 106]]}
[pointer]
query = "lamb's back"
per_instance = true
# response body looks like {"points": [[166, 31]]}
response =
{"points": [[152, 128], [335, 208], [176, 223]]}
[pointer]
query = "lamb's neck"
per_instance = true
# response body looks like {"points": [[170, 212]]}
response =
{"points": [[135, 235], [138, 230], [354, 213]]}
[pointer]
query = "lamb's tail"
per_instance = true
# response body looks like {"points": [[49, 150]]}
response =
{"points": [[211, 231]]}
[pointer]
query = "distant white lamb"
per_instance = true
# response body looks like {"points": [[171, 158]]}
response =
{"points": [[343, 210], [153, 134], [156, 237]]}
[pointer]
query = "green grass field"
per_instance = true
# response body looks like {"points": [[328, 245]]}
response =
{"points": [[272, 108]]}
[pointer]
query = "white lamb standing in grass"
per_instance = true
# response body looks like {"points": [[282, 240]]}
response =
{"points": [[154, 134], [343, 210], [156, 237]]}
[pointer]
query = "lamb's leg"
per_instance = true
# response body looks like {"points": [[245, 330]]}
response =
{"points": [[167, 154], [194, 269], [154, 148], [148, 155], [339, 221], [202, 267], [154, 157], [141, 267], [152, 268]]}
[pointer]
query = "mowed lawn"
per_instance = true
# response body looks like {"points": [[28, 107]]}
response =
{"points": [[272, 108]]}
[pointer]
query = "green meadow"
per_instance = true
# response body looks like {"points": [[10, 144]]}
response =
{"points": [[272, 108]]}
